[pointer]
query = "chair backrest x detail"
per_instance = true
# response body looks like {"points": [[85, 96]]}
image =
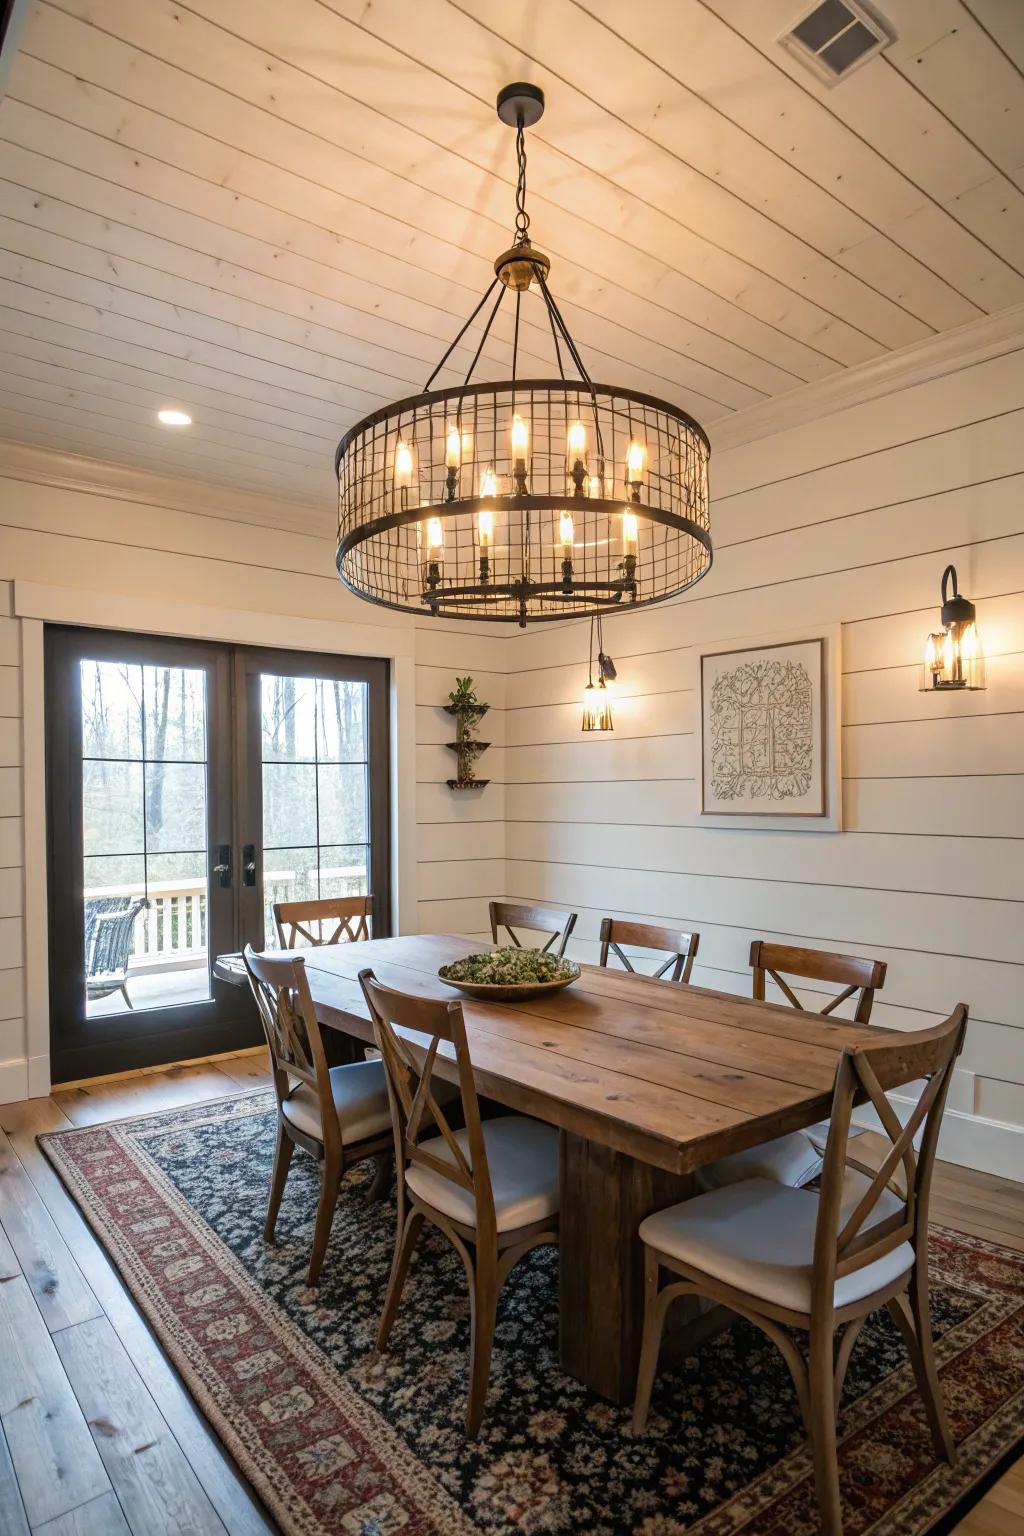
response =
{"points": [[680, 947], [852, 973], [410, 1032], [281, 989], [511, 915], [335, 920], [845, 1240]]}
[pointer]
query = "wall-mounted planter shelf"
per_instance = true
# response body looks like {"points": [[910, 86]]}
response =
{"points": [[467, 749]]}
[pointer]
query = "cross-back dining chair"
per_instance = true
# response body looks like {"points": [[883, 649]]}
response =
{"points": [[859, 978], [339, 1114], [490, 1187], [334, 920], [680, 947], [853, 974], [511, 915], [787, 1258]]}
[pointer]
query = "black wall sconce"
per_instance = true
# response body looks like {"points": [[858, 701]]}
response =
{"points": [[953, 656]]}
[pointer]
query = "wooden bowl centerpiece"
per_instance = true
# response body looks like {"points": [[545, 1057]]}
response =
{"points": [[510, 975]]}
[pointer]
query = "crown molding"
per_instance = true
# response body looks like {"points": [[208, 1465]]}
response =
{"points": [[123, 482], [977, 342]]}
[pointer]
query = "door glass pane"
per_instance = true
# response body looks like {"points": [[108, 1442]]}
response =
{"points": [[342, 796], [289, 804], [315, 824], [112, 807], [344, 871], [144, 803], [111, 709]]}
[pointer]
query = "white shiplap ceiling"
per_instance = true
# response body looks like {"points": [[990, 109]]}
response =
{"points": [[276, 213]]}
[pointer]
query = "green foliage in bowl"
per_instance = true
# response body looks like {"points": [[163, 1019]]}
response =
{"points": [[510, 968]]}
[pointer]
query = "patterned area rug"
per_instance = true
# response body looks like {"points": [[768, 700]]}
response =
{"points": [[338, 1444]]}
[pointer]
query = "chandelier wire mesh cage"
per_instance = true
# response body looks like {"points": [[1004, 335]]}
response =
{"points": [[523, 499]]}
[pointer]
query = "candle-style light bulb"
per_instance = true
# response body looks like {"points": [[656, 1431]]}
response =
{"points": [[453, 448], [596, 486], [630, 533], [577, 458], [636, 461], [520, 440], [435, 539], [488, 482], [485, 528], [566, 533], [403, 466]]}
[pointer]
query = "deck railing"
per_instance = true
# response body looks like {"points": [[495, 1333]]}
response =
{"points": [[172, 930]]}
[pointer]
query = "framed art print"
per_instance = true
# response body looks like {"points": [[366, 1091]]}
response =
{"points": [[768, 732]]}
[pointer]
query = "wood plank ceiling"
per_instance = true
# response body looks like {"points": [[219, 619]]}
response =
{"points": [[275, 213]]}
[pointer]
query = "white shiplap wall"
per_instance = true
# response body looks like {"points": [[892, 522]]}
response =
{"points": [[849, 516], [136, 538]]}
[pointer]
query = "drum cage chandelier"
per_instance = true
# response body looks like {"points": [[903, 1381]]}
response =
{"points": [[526, 499]]}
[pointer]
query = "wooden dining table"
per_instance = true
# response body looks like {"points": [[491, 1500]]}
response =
{"points": [[647, 1081]]}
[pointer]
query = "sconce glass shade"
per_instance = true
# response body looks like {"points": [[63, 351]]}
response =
{"points": [[953, 657], [597, 707]]}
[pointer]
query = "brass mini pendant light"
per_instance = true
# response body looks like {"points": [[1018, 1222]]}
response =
{"points": [[597, 701]]}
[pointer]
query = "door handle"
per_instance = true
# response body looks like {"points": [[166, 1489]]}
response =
{"points": [[249, 864], [222, 868]]}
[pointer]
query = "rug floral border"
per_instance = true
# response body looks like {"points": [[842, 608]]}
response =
{"points": [[402, 1492]]}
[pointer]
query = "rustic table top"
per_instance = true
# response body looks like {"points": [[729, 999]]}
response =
{"points": [[674, 1075]]}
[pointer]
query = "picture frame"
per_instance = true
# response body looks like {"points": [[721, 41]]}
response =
{"points": [[768, 731]]}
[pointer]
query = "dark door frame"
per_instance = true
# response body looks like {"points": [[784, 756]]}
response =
{"points": [[114, 1042]]}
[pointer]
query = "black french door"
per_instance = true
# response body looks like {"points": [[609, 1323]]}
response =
{"points": [[189, 787]]}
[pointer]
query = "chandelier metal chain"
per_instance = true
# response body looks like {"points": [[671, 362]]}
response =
{"points": [[502, 500], [522, 217]]}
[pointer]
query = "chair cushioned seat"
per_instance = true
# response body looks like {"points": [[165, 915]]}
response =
{"points": [[758, 1237], [360, 1098], [791, 1160], [819, 1133], [522, 1156]]}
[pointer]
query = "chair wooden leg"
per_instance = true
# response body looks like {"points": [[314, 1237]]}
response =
{"points": [[405, 1242], [913, 1317], [823, 1433], [850, 1335], [383, 1174], [332, 1170], [654, 1322], [485, 1309], [282, 1162]]}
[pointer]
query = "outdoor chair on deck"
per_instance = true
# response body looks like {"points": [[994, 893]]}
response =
{"points": [[109, 943]]}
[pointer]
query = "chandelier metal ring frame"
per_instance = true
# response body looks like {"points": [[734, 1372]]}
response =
{"points": [[523, 499]]}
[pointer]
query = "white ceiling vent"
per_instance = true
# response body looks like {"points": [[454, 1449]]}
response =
{"points": [[835, 38]]}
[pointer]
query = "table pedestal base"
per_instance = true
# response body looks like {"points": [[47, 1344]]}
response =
{"points": [[605, 1197]]}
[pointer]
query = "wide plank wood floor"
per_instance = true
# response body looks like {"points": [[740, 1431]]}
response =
{"points": [[98, 1437]]}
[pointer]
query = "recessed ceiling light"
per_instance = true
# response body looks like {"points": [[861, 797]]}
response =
{"points": [[172, 418]]}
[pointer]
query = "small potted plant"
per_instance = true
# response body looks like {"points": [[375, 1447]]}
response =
{"points": [[468, 712]]}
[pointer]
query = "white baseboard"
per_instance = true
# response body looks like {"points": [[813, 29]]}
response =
{"points": [[990, 1146], [13, 1081], [39, 1082]]}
